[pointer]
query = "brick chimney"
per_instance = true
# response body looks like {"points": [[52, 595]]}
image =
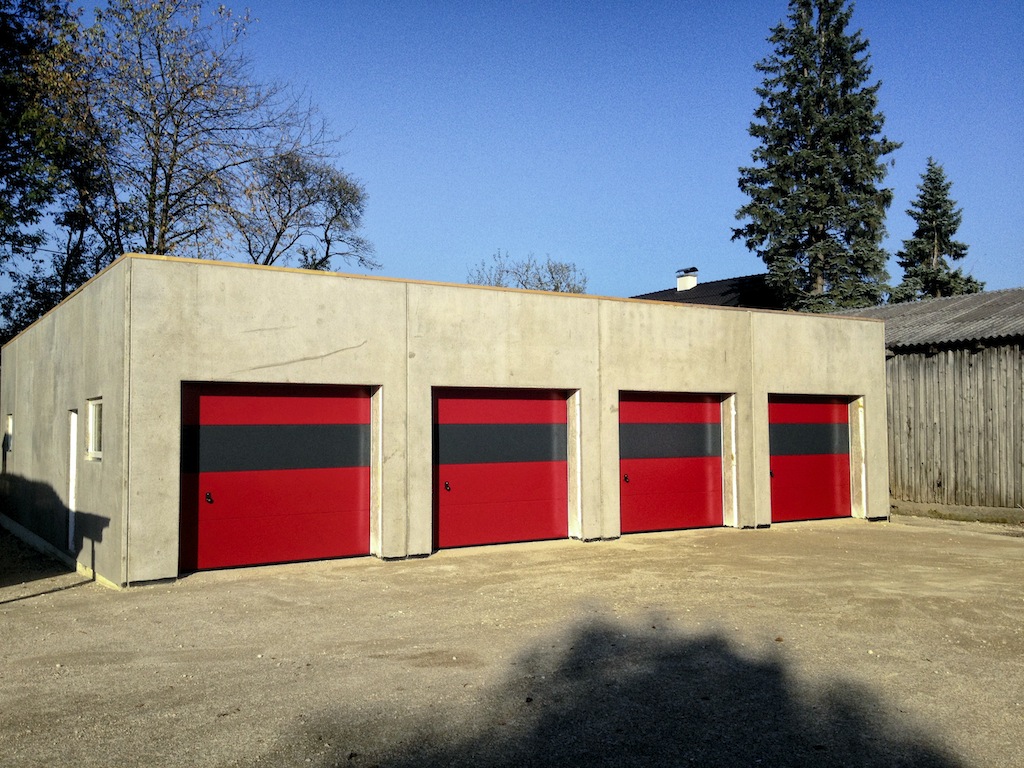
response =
{"points": [[686, 278]]}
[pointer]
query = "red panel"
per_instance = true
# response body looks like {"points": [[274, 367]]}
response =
{"points": [[273, 516], [815, 486], [468, 406], [668, 494], [494, 503], [501, 503], [280, 516], [811, 487], [784, 410], [248, 404], [694, 409]]}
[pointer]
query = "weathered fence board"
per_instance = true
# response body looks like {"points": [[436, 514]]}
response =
{"points": [[956, 426]]}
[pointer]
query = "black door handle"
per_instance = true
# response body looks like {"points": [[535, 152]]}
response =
{"points": [[209, 498], [446, 486], [625, 478]]}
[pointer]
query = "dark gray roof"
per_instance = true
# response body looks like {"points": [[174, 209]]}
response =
{"points": [[976, 317], [748, 291]]}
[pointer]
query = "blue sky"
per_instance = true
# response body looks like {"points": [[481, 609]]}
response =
{"points": [[609, 134]]}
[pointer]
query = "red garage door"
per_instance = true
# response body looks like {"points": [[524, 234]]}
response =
{"points": [[501, 473], [670, 459], [273, 473], [809, 439]]}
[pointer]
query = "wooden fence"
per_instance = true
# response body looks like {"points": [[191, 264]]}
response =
{"points": [[956, 426]]}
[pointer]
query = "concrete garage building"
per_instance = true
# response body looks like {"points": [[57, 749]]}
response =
{"points": [[176, 415]]}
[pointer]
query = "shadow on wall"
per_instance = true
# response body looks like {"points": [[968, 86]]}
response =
{"points": [[617, 697], [37, 507]]}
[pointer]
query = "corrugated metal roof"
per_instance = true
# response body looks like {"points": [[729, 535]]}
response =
{"points": [[976, 317]]}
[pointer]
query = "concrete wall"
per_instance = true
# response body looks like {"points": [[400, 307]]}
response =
{"points": [[208, 321], [68, 357], [810, 354]]}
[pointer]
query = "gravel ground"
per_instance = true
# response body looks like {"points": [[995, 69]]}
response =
{"points": [[835, 643]]}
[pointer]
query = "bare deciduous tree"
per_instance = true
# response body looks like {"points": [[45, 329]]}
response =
{"points": [[293, 204], [549, 275], [177, 150], [174, 90]]}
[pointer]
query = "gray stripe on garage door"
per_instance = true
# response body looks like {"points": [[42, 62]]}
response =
{"points": [[808, 439], [260, 447], [669, 441], [500, 443]]}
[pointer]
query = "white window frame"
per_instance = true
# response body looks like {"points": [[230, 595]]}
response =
{"points": [[94, 429]]}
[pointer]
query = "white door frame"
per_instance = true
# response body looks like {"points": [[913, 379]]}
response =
{"points": [[72, 476]]}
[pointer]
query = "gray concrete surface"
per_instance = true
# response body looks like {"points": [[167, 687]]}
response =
{"points": [[188, 320], [820, 644]]}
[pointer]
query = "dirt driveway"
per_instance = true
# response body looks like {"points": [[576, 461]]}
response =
{"points": [[840, 643]]}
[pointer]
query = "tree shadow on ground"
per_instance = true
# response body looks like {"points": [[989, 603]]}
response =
{"points": [[37, 508], [617, 697], [20, 563]]}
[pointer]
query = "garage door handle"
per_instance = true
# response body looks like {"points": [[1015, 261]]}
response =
{"points": [[625, 478], [446, 486], [209, 498]]}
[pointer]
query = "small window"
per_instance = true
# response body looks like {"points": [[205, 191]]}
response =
{"points": [[94, 430], [9, 433]]}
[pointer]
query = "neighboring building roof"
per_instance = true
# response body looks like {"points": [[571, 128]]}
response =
{"points": [[748, 291], [973, 318]]}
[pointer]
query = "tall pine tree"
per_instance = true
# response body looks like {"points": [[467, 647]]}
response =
{"points": [[926, 271], [816, 214]]}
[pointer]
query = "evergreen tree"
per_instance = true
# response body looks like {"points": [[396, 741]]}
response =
{"points": [[926, 273], [816, 214]]}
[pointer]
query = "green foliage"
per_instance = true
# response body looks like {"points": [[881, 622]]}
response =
{"points": [[816, 212], [549, 275], [39, 70], [926, 271], [49, 161], [146, 132]]}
